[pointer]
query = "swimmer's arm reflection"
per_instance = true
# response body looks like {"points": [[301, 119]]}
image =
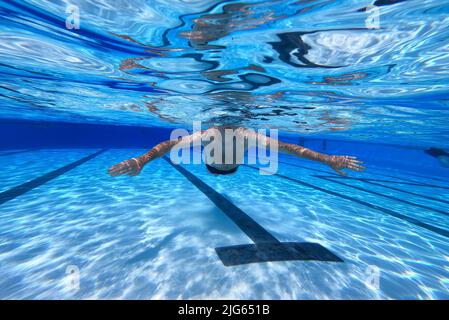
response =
{"points": [[134, 166], [337, 163]]}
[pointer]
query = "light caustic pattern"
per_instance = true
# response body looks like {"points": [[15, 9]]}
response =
{"points": [[362, 69], [84, 235]]}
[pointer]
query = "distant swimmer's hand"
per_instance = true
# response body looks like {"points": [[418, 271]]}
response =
{"points": [[132, 167], [339, 163]]}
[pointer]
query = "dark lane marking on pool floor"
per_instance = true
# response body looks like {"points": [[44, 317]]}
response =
{"points": [[394, 182], [417, 183], [412, 179], [336, 175], [426, 177], [416, 222], [384, 186], [266, 247], [19, 151], [32, 184], [446, 213]]}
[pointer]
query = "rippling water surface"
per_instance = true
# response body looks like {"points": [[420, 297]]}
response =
{"points": [[302, 66]]}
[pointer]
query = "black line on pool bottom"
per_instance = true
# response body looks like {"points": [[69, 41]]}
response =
{"points": [[416, 184], [266, 247], [369, 181], [250, 227], [19, 151], [425, 177], [377, 174], [385, 195], [270, 252], [440, 231], [32, 184]]}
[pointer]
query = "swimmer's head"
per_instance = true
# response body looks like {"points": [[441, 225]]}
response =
{"points": [[216, 171]]}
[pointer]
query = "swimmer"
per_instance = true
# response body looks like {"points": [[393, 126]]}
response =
{"points": [[224, 165]]}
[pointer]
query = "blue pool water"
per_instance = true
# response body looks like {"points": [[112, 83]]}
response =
{"points": [[74, 101]]}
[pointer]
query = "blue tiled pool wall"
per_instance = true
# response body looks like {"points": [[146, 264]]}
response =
{"points": [[30, 134]]}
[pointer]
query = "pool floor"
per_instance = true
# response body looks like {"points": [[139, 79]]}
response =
{"points": [[155, 236]]}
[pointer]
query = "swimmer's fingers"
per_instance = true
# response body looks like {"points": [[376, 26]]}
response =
{"points": [[118, 172], [114, 171], [338, 163], [351, 159], [355, 161], [115, 167], [132, 167], [119, 168], [355, 165]]}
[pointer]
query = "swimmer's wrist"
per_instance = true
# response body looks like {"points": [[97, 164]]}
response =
{"points": [[141, 160]]}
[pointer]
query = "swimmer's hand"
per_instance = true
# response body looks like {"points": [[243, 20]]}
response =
{"points": [[339, 163], [132, 167]]}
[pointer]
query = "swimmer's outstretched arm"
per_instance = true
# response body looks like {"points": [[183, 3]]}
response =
{"points": [[338, 163], [135, 165]]}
